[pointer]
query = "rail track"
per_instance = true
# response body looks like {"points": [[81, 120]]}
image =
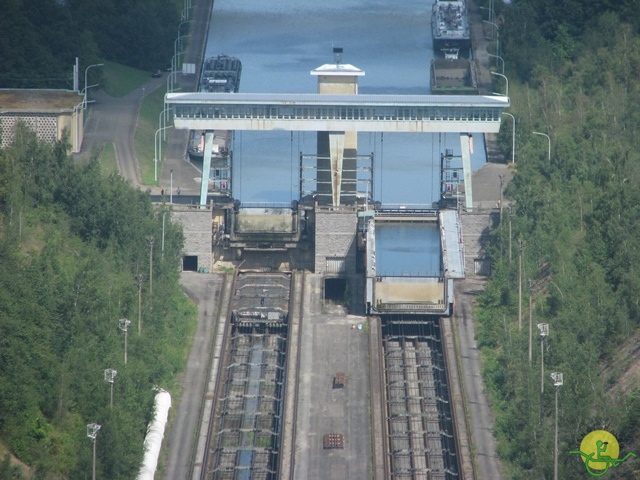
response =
{"points": [[419, 426], [245, 431]]}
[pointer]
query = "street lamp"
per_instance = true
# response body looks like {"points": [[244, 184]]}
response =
{"points": [[513, 137], [163, 116], [497, 31], [549, 140], [139, 278], [123, 324], [499, 58], [150, 241], [156, 159], [505, 79], [109, 376], [557, 382], [92, 433], [85, 81], [171, 187], [544, 331], [530, 320], [174, 60]]}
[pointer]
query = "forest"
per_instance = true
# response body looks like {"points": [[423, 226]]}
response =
{"points": [[41, 38], [569, 239], [76, 256]]}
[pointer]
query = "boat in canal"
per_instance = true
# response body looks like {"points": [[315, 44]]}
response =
{"points": [[450, 25], [220, 74]]}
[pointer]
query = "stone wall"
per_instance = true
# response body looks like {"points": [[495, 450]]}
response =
{"points": [[196, 224], [476, 228], [335, 241]]}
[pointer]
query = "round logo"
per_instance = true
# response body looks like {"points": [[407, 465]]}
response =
{"points": [[599, 444]]}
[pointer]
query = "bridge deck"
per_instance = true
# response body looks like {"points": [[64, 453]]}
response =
{"points": [[354, 113]]}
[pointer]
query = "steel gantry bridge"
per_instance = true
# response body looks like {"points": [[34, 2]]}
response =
{"points": [[464, 114]]}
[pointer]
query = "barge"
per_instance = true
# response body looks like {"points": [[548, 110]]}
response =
{"points": [[450, 25]]}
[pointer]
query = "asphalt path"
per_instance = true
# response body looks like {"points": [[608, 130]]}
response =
{"points": [[205, 290], [113, 121], [487, 463]]}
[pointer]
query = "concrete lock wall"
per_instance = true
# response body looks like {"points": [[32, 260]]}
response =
{"points": [[335, 239], [196, 224]]}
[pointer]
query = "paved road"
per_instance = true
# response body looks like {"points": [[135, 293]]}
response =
{"points": [[487, 184], [113, 120], [487, 463], [205, 290], [331, 343]]}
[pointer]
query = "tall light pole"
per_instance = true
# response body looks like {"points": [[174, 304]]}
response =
{"points": [[513, 137], [501, 177], [548, 140], [85, 81], [544, 331], [161, 123], [494, 26], [498, 57], [530, 319], [557, 382], [123, 324], [139, 278], [520, 248], [174, 60], [109, 376], [150, 241], [92, 433], [156, 158], [497, 35], [506, 81], [171, 187]]}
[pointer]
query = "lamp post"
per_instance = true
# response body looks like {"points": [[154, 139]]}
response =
{"points": [[162, 120], [156, 158], [174, 60], [109, 376], [501, 177], [530, 320], [513, 137], [520, 248], [150, 241], [123, 324], [92, 433], [505, 79], [549, 140], [86, 71], [171, 187], [139, 278], [557, 382], [494, 26], [544, 331], [499, 58], [497, 31]]}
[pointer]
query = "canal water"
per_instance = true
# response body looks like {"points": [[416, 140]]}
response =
{"points": [[280, 41]]}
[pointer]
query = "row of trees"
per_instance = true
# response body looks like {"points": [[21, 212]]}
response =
{"points": [[41, 38], [574, 77], [72, 243]]}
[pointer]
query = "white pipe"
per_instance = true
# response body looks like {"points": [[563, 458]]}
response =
{"points": [[155, 433]]}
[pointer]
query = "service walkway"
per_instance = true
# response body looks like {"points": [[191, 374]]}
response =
{"points": [[347, 113]]}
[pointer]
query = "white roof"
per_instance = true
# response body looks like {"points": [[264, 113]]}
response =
{"points": [[338, 69]]}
